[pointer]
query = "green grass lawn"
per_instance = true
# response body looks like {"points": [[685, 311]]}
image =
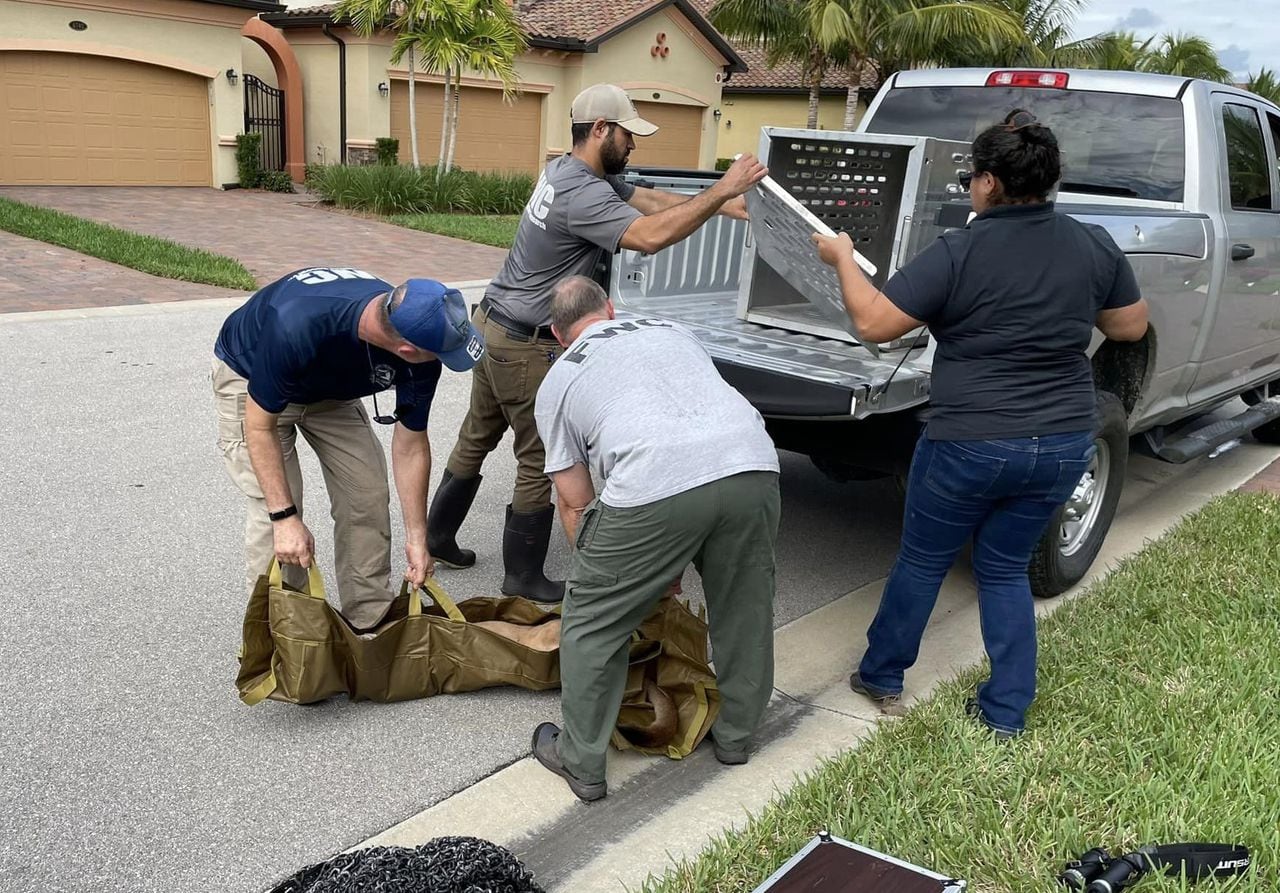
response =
{"points": [[497, 230], [1158, 721], [159, 257]]}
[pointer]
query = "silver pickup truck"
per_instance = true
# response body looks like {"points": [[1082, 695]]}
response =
{"points": [[1182, 173]]}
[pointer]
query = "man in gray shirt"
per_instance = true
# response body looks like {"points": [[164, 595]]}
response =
{"points": [[579, 211], [690, 475]]}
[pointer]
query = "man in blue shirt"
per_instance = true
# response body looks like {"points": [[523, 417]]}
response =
{"points": [[298, 357]]}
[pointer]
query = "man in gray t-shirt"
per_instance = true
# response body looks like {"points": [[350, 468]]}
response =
{"points": [[689, 475], [579, 212]]}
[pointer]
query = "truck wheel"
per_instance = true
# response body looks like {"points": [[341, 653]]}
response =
{"points": [[1077, 529]]}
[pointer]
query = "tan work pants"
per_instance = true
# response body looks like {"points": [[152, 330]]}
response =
{"points": [[504, 385], [355, 474]]}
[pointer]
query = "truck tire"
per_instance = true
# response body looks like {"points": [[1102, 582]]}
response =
{"points": [[1077, 529]]}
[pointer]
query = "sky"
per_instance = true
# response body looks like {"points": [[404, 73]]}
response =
{"points": [[1245, 33]]}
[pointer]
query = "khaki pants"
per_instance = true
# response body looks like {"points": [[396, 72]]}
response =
{"points": [[504, 385], [624, 561], [355, 474]]}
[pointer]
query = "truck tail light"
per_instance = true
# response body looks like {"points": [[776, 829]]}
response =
{"points": [[1057, 79]]}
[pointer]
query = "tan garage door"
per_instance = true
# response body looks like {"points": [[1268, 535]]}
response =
{"points": [[72, 120], [492, 135], [678, 140]]}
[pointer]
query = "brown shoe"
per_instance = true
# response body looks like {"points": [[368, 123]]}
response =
{"points": [[887, 701]]}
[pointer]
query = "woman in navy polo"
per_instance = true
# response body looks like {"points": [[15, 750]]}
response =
{"points": [[1012, 300]]}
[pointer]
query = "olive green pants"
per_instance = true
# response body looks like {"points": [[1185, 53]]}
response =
{"points": [[504, 385], [625, 559]]}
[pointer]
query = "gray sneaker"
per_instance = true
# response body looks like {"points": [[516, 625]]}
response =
{"points": [[885, 700], [547, 753]]}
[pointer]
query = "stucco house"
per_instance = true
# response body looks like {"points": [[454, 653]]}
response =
{"points": [[154, 92], [663, 52], [127, 92]]}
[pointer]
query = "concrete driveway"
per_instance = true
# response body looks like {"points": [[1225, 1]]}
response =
{"points": [[270, 233]]}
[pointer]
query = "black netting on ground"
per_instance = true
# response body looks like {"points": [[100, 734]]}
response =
{"points": [[442, 865]]}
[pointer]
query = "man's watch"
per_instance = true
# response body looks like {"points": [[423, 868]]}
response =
{"points": [[283, 513]]}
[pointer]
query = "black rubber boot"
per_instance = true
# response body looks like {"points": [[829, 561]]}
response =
{"points": [[524, 550], [448, 510]]}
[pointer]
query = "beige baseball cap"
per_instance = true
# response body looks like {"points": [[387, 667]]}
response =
{"points": [[614, 105]]}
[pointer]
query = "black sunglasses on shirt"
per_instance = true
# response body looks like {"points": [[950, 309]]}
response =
{"points": [[377, 414]]}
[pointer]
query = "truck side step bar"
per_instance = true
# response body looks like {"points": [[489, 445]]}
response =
{"points": [[1180, 448]]}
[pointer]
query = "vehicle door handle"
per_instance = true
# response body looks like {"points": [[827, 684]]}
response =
{"points": [[1240, 251]]}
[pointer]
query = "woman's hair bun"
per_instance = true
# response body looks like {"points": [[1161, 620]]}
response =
{"points": [[1027, 126], [1019, 118]]}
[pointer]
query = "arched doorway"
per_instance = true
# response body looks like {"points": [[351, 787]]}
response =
{"points": [[289, 77]]}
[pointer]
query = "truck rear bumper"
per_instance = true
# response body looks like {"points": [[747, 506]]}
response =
{"points": [[782, 396]]}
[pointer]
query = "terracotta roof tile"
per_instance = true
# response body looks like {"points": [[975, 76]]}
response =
{"points": [[577, 19], [319, 9]]}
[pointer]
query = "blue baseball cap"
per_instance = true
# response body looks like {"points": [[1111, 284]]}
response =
{"points": [[433, 317]]}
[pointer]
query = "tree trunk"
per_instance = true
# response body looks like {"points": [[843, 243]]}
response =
{"points": [[851, 98], [444, 127], [817, 68], [453, 121], [413, 113]]}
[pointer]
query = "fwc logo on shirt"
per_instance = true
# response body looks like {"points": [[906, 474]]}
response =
{"points": [[579, 352], [539, 205], [321, 275]]}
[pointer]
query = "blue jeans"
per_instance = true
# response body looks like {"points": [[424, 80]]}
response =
{"points": [[1001, 493]]}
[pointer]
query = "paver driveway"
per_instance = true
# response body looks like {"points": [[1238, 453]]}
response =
{"points": [[270, 233]]}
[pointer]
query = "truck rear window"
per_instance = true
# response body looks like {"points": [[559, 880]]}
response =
{"points": [[1112, 143]]}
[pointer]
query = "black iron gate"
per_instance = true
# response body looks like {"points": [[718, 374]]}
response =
{"points": [[264, 114]]}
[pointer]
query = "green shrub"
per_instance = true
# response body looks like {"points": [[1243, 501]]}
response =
{"points": [[275, 181], [396, 189], [248, 158], [388, 150], [382, 189], [452, 191], [723, 164], [313, 174], [514, 189]]}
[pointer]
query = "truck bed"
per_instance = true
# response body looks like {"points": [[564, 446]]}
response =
{"points": [[783, 373]]}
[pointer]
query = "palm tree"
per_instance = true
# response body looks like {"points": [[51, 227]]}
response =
{"points": [[1185, 55], [1265, 84], [779, 27], [1120, 51], [494, 39], [857, 34], [365, 16], [444, 37], [1045, 39], [908, 32]]}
